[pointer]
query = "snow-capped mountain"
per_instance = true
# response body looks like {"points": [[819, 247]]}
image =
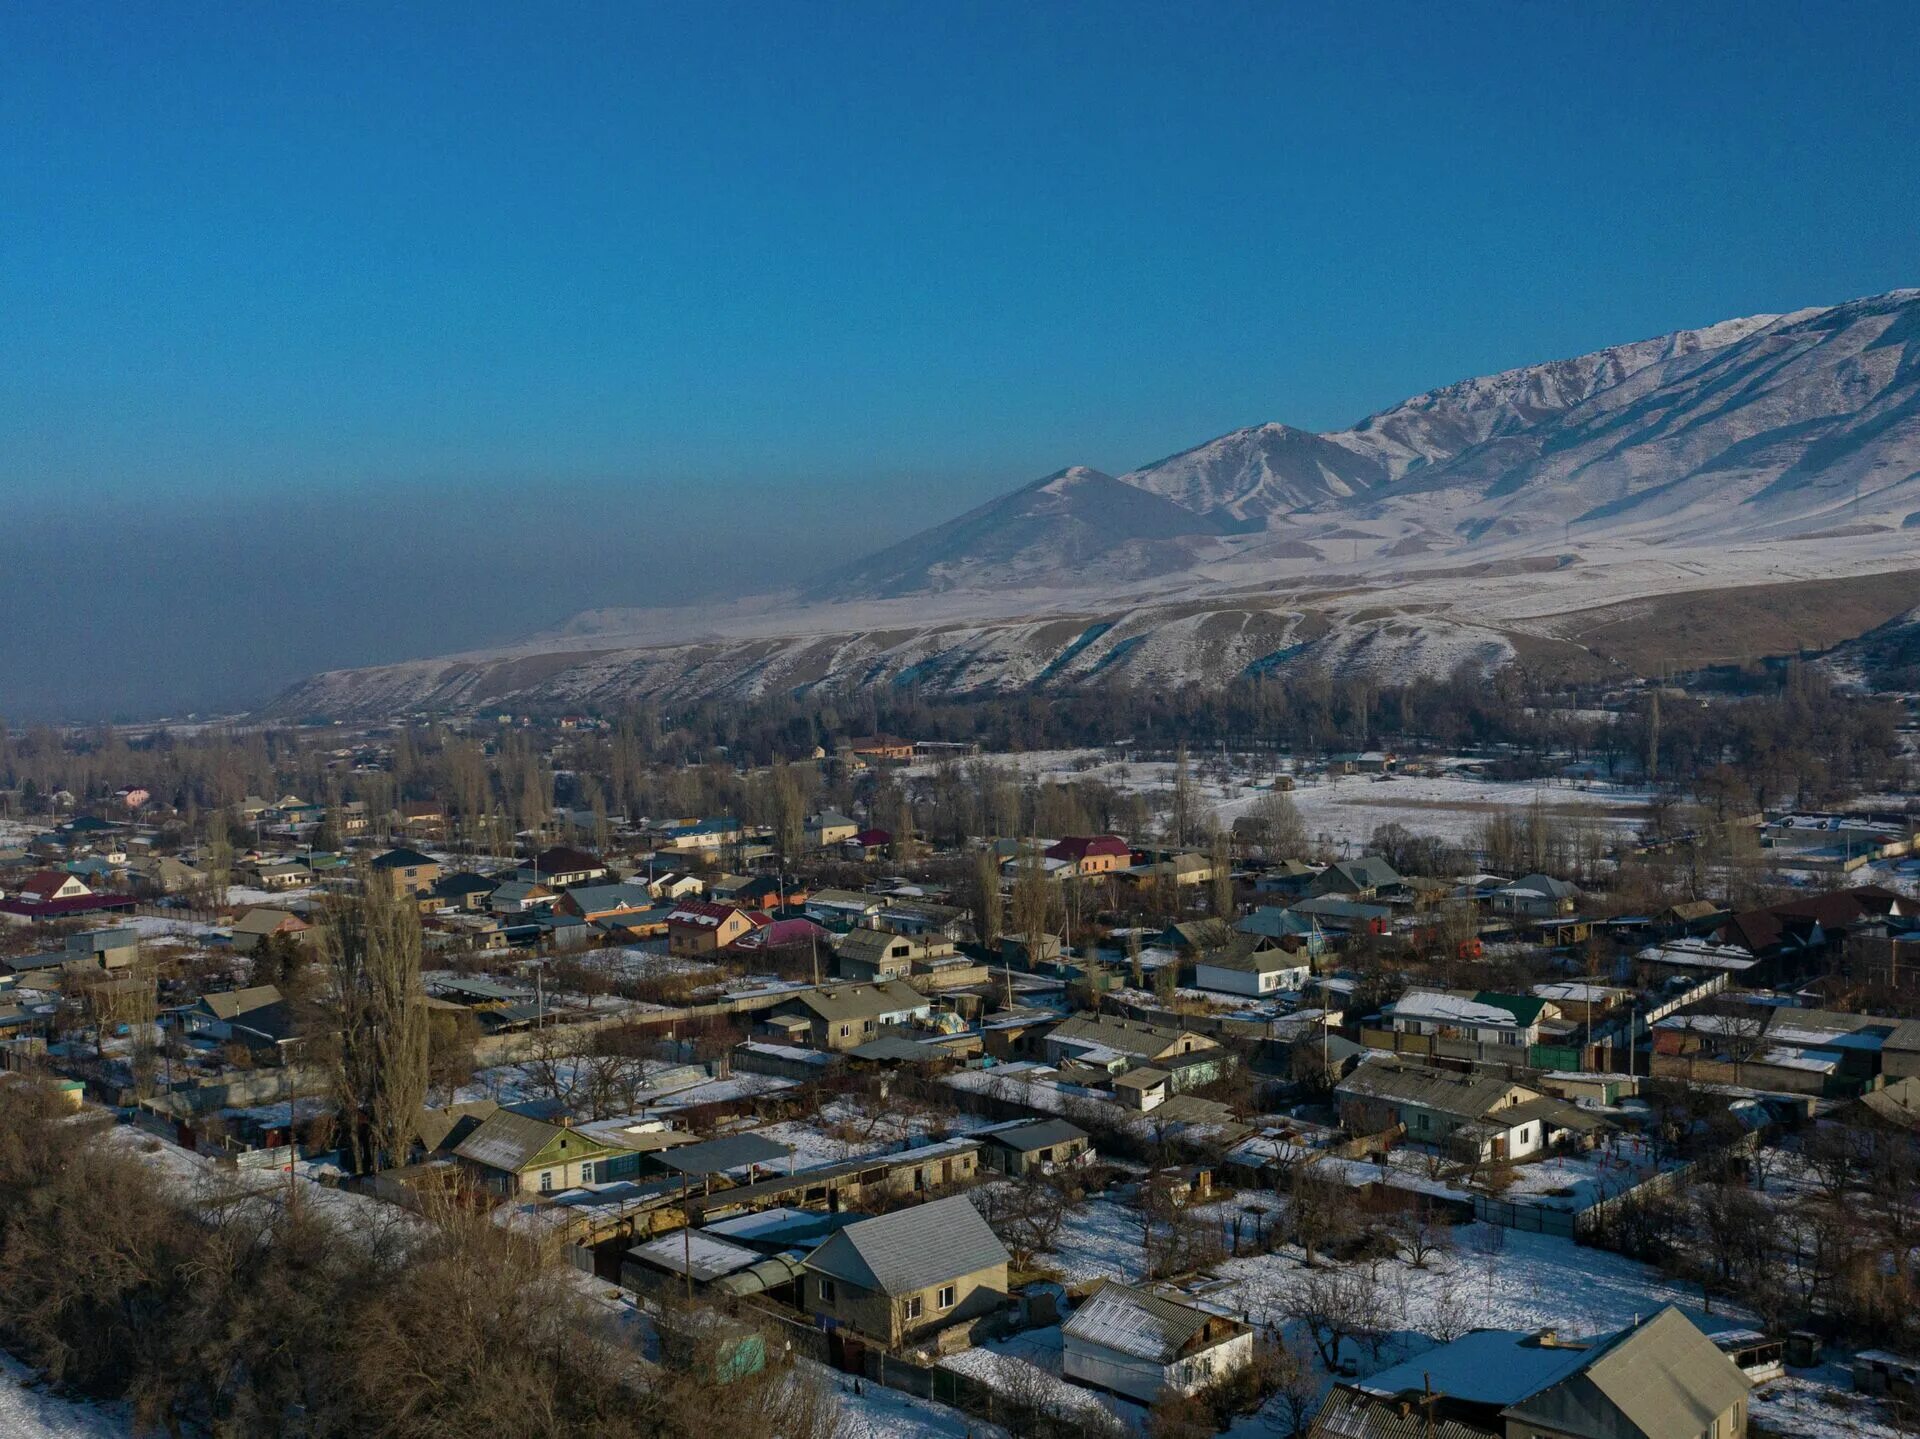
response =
{"points": [[1586, 512], [1759, 426]]}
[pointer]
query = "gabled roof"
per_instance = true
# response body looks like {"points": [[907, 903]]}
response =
{"points": [[1662, 1377], [563, 859], [1251, 954], [1143, 1325], [269, 921], [700, 914], [402, 858], [231, 1004], [463, 882], [1468, 1096], [601, 898], [1040, 1134], [911, 1249], [861, 1001], [873, 945], [512, 1142], [1079, 846], [1367, 872]]}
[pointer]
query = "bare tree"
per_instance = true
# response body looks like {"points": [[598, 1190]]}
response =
{"points": [[372, 947]]}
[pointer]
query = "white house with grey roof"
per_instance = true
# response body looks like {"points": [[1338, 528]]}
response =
{"points": [[909, 1274], [1141, 1344]]}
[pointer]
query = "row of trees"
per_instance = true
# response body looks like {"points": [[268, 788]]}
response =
{"points": [[232, 1314]]}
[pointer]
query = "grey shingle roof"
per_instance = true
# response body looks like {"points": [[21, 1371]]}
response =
{"points": [[911, 1249]]}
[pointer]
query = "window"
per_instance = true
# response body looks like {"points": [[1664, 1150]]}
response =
{"points": [[586, 1172], [913, 1307], [845, 1031], [546, 1181], [826, 1291], [945, 1298]]}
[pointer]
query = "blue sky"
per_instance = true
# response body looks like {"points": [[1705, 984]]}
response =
{"points": [[366, 282]]}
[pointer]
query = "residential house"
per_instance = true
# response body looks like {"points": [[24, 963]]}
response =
{"points": [[423, 818], [883, 749], [1251, 964], [842, 906], [605, 901], [1092, 854], [700, 835], [829, 828], [1143, 1345], [1191, 938], [1659, 1378], [1182, 871], [1537, 896], [257, 924], [1354, 879], [561, 867], [277, 874], [512, 1154], [49, 886], [257, 1017], [519, 896], [1475, 1116], [873, 954], [462, 889], [165, 875], [698, 928], [868, 844], [1030, 1146], [674, 884], [1283, 925], [839, 1017], [904, 1275], [1115, 1045], [408, 871], [1484, 1017]]}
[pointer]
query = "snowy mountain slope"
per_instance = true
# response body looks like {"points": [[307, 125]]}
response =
{"points": [[1069, 520], [1760, 426], [1464, 526]]}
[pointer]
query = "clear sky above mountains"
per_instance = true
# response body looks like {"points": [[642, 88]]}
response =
{"points": [[339, 333]]}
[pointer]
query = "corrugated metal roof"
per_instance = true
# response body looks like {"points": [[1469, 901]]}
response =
{"points": [[1135, 1322]]}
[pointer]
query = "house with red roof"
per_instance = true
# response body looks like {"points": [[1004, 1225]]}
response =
{"points": [[46, 885], [1089, 854], [696, 928]]}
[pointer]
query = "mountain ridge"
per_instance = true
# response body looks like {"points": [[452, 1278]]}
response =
{"points": [[1448, 529]]}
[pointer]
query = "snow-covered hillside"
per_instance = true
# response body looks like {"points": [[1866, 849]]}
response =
{"points": [[1448, 531]]}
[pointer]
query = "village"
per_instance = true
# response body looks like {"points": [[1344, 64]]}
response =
{"points": [[1205, 1124]]}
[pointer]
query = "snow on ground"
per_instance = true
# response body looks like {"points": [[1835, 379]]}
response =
{"points": [[872, 1411], [1099, 1240], [153, 928], [1028, 1365], [1819, 1404], [1346, 810], [1342, 810], [27, 1412]]}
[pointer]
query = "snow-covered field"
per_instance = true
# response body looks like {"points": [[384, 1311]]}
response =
{"points": [[1343, 811], [29, 1412]]}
